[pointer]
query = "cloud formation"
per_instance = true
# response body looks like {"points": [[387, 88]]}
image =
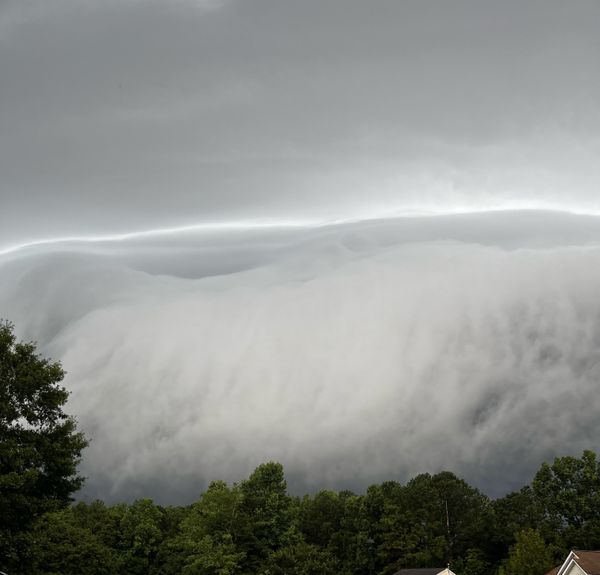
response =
{"points": [[352, 354], [144, 145], [128, 114]]}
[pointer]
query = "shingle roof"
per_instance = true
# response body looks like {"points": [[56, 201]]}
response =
{"points": [[426, 571], [589, 561]]}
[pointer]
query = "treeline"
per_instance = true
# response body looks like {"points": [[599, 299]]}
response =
{"points": [[256, 527]]}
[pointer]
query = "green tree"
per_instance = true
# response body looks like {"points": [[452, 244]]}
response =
{"points": [[474, 563], [39, 444], [217, 512], [349, 544], [569, 493], [432, 520], [301, 558], [320, 517], [141, 535], [528, 556], [59, 546], [512, 513], [213, 556], [206, 544], [104, 522], [266, 512]]}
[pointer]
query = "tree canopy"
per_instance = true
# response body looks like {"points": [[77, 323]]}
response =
{"points": [[39, 443]]}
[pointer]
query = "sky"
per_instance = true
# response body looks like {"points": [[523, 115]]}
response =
{"points": [[121, 115], [357, 237]]}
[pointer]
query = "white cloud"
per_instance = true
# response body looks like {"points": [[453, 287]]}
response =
{"points": [[348, 359]]}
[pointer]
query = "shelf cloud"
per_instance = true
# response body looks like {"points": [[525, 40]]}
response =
{"points": [[351, 353], [361, 238]]}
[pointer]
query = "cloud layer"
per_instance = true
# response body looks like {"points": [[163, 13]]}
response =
{"points": [[352, 354], [128, 114]]}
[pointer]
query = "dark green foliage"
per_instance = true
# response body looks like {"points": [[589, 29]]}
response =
{"points": [[474, 562], [265, 513], [301, 559], [141, 535], [320, 517], [256, 528], [218, 512], [569, 493], [212, 555], [59, 545], [104, 522], [39, 445], [528, 556], [433, 520], [210, 532], [513, 513]]}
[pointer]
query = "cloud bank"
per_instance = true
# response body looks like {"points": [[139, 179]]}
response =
{"points": [[352, 353]]}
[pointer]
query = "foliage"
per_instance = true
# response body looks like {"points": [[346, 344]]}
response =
{"points": [[141, 535], [569, 493], [528, 556], [39, 445], [215, 555], [265, 513], [473, 563], [301, 559], [256, 528], [513, 513], [61, 546], [320, 517]]}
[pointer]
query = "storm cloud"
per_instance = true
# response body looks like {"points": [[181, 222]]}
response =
{"points": [[128, 115], [351, 353], [361, 238]]}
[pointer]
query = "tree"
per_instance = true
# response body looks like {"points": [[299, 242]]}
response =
{"points": [[266, 511], [217, 512], [320, 517], [213, 556], [528, 556], [474, 563], [141, 535], [569, 493], [209, 532], [59, 545], [432, 520], [39, 444], [301, 558]]}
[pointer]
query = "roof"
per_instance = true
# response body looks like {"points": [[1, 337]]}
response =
{"points": [[589, 561], [426, 571]]}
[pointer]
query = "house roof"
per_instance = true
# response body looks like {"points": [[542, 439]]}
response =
{"points": [[589, 561], [426, 571]]}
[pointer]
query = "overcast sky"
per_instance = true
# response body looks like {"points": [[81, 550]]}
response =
{"points": [[352, 352], [131, 114]]}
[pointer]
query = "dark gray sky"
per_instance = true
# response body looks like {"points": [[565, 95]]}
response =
{"points": [[132, 114]]}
